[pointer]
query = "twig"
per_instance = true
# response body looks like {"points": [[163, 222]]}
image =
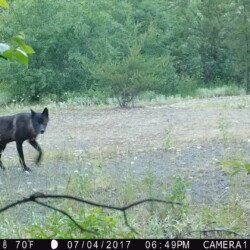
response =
{"points": [[35, 196], [216, 230], [66, 214]]}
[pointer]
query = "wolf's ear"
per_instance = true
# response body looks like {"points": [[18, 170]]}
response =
{"points": [[46, 112], [32, 113]]}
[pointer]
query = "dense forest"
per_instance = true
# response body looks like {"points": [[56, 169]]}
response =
{"points": [[120, 48]]}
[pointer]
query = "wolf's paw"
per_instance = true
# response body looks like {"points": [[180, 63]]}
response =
{"points": [[27, 170]]}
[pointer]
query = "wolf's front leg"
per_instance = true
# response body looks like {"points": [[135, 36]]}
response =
{"points": [[19, 146], [34, 144]]}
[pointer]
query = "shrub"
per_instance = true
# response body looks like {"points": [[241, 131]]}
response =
{"points": [[96, 220]]}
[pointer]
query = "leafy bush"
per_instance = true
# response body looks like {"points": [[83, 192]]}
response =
{"points": [[178, 192], [96, 220], [132, 76]]}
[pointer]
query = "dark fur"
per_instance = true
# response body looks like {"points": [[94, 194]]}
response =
{"points": [[22, 127]]}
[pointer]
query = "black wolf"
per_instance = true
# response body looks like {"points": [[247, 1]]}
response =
{"points": [[22, 127]]}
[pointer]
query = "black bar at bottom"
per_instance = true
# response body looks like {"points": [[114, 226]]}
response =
{"points": [[124, 244]]}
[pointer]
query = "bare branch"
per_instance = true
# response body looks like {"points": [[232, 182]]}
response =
{"points": [[204, 232], [66, 214], [34, 198]]}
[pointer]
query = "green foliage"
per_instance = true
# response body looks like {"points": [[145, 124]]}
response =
{"points": [[4, 4], [237, 165], [186, 86], [212, 37], [96, 220], [178, 192], [51, 71], [18, 51], [227, 217], [13, 52], [123, 48], [238, 13], [133, 75], [139, 63]]}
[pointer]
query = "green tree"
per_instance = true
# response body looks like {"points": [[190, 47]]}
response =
{"points": [[239, 39], [211, 32], [181, 37], [133, 57], [134, 74]]}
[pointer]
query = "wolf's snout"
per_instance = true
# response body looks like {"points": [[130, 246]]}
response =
{"points": [[42, 131]]}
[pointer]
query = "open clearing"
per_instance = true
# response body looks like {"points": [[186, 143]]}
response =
{"points": [[188, 138]]}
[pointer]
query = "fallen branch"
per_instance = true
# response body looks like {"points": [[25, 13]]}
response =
{"points": [[34, 198]]}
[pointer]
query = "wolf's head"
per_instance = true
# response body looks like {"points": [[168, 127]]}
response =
{"points": [[40, 120]]}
